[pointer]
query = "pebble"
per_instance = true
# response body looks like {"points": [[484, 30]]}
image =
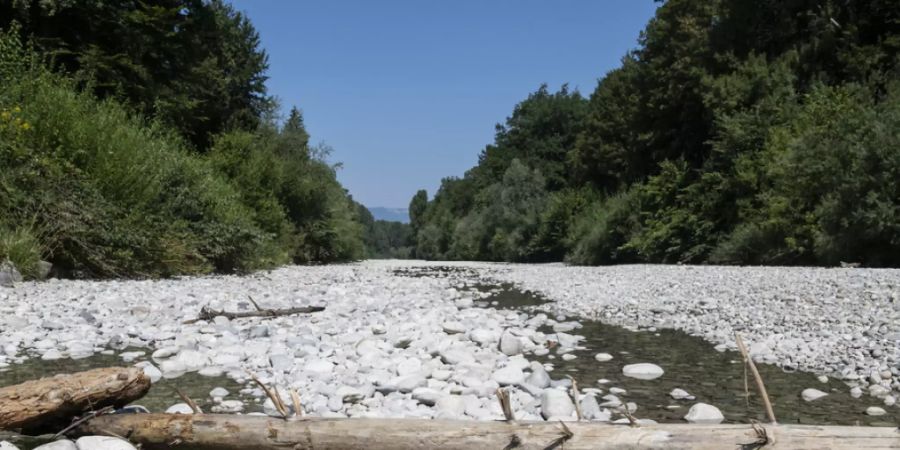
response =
{"points": [[555, 404], [103, 443], [810, 394], [643, 371], [509, 376], [179, 408], [875, 411], [704, 413], [680, 394], [603, 357], [63, 444]]}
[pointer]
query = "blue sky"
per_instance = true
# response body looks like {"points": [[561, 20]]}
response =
{"points": [[408, 92]]}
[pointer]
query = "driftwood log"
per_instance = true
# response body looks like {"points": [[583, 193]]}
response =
{"points": [[49, 404], [210, 314], [227, 432]]}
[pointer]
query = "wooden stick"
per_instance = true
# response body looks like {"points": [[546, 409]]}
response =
{"points": [[232, 432], [254, 303], [759, 382], [505, 405], [194, 406], [272, 394], [575, 396], [298, 407], [210, 314], [49, 404]]}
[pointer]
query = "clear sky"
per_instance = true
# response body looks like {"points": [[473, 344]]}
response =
{"points": [[408, 91]]}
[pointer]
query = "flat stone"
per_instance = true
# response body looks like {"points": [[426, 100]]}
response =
{"points": [[875, 411], [453, 327], [643, 371], [510, 345], [603, 357], [679, 394], [811, 394], [228, 407], [508, 376]]}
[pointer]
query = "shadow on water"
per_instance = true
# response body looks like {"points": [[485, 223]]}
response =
{"points": [[692, 364]]}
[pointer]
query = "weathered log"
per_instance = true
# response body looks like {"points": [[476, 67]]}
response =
{"points": [[49, 404], [210, 314], [226, 432]]}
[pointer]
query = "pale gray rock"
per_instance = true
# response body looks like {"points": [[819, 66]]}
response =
{"points": [[510, 345], [228, 407], [508, 376], [810, 394], [63, 444], [103, 443], [704, 413], [603, 357], [179, 408], [556, 403], [875, 411], [538, 378], [9, 275], [643, 371]]}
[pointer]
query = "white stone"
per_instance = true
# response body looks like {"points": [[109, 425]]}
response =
{"points": [[704, 413], [103, 443], [63, 444], [556, 403], [219, 392], [228, 407], [426, 396], [6, 445], [679, 394], [508, 376], [510, 345], [811, 394], [603, 357], [453, 327], [180, 408], [875, 411], [319, 366], [643, 371]]}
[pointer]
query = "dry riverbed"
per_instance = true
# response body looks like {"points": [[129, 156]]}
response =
{"points": [[413, 339]]}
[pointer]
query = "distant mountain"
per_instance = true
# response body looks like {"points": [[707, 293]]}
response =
{"points": [[390, 214]]}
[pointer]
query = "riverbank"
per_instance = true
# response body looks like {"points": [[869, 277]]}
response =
{"points": [[405, 339]]}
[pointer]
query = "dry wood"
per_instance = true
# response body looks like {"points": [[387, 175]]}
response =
{"points": [[210, 314], [759, 382], [505, 405], [49, 404], [190, 402], [227, 432], [575, 396]]}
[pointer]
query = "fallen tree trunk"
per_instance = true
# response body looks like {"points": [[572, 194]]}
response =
{"points": [[226, 432], [210, 314], [49, 404]]}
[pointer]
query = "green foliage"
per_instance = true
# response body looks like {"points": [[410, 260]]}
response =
{"points": [[738, 132], [21, 246], [196, 65], [114, 194]]}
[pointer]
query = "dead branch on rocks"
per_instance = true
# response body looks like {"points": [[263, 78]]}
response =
{"points": [[208, 314]]}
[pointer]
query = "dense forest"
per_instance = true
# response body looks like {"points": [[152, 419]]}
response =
{"points": [[738, 132], [138, 139]]}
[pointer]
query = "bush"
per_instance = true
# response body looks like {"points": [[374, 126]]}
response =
{"points": [[20, 246]]}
